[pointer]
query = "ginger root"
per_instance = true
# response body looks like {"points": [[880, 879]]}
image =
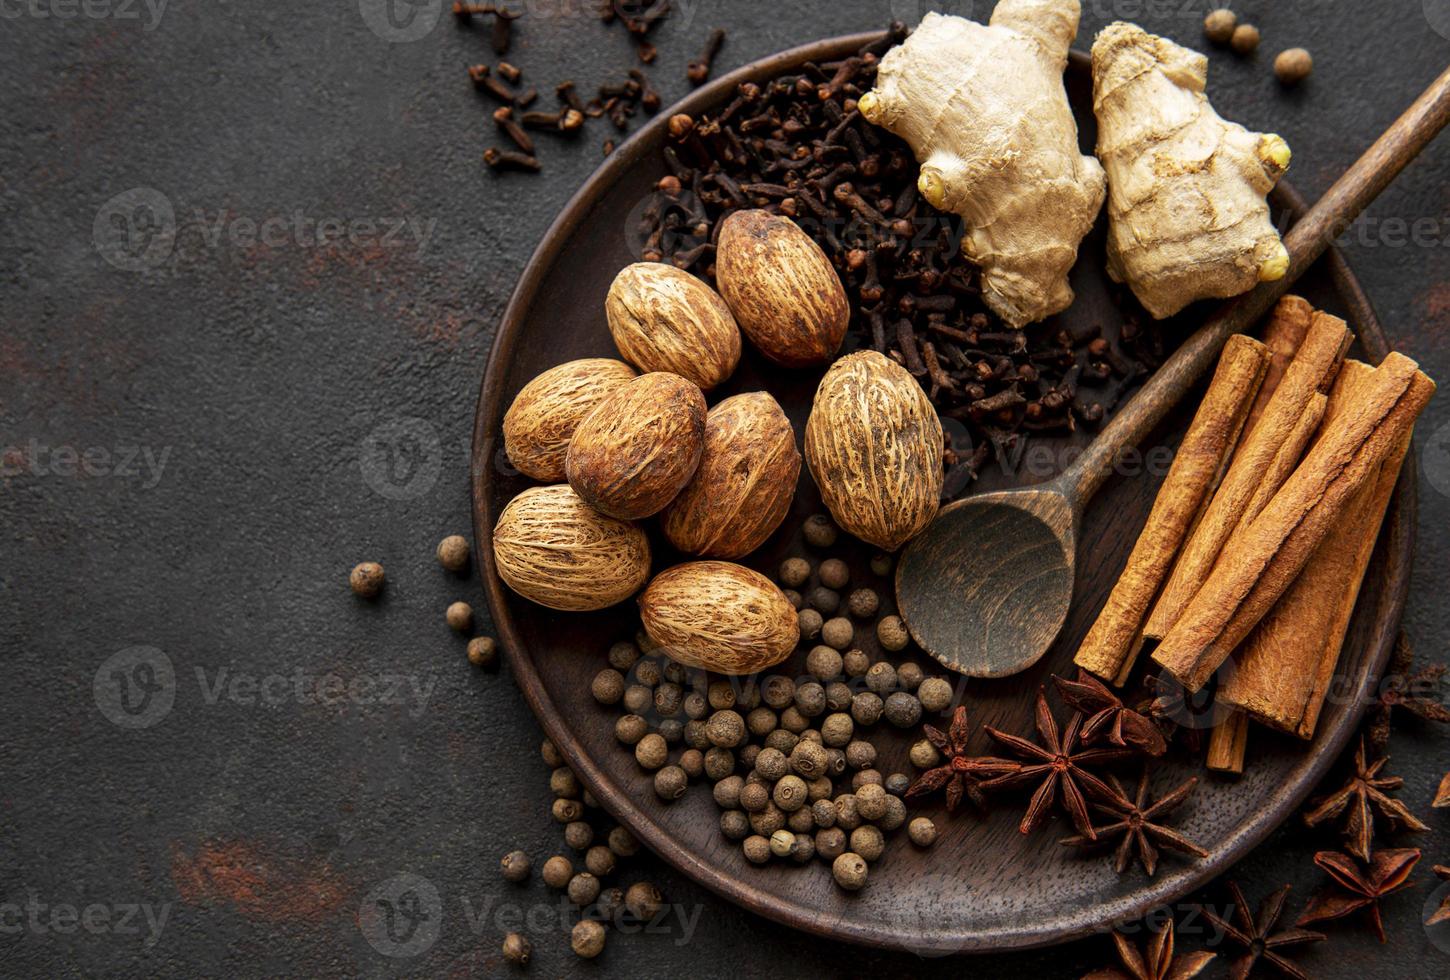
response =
{"points": [[985, 112], [1187, 215]]}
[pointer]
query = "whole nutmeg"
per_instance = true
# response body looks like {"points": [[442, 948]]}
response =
{"points": [[664, 319], [874, 446], [720, 616], [553, 548], [539, 424], [639, 447], [744, 485], [784, 293]]}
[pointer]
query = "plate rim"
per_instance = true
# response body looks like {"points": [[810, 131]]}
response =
{"points": [[1398, 539]]}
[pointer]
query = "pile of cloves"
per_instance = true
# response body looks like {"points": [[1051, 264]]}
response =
{"points": [[797, 146]]}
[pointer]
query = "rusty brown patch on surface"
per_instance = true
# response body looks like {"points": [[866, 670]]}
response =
{"points": [[1434, 304], [257, 882]]}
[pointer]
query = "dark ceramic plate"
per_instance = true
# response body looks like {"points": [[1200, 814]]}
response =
{"points": [[983, 886]]}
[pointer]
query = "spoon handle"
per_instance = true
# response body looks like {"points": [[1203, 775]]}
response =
{"points": [[1306, 241]]}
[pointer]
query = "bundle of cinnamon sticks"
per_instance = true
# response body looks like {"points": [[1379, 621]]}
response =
{"points": [[1253, 554]]}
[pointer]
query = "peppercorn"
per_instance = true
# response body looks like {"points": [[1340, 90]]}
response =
{"points": [[460, 617], [623, 655], [818, 531], [848, 815], [651, 752], [781, 739], [868, 841], [834, 574], [856, 663], [793, 597], [897, 783], [587, 939], [671, 783], [754, 797], [721, 695], [366, 579], [1293, 65], [668, 697], [871, 801], [789, 793], [792, 720], [578, 834], [809, 621], [767, 821], [881, 678], [810, 699], [517, 949], [777, 691], [600, 861], [823, 662], [1219, 25], [734, 824], [804, 848], [836, 730], [672, 730], [838, 632], [849, 870], [823, 813], [583, 888], [903, 710], [892, 634], [771, 764], [563, 783], [622, 843], [830, 842], [935, 694], [761, 722], [838, 696], [557, 871], [647, 672], [693, 734], [725, 729], [756, 849], [824, 600], [860, 754], [482, 651], [693, 762], [453, 552], [863, 603], [727, 792], [794, 572], [909, 676], [881, 565], [866, 708], [781, 843], [644, 901], [515, 866], [808, 759], [567, 811], [866, 777], [1245, 39]]}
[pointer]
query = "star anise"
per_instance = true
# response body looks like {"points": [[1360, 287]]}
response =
{"points": [[1257, 937], [1362, 795], [1157, 962], [959, 774], [1135, 824], [1388, 872], [1418, 693], [1173, 710], [1058, 761], [1106, 716], [1443, 912]]}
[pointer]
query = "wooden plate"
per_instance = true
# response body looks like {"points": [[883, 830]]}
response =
{"points": [[983, 886]]}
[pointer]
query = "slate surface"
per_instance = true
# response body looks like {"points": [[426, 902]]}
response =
{"points": [[201, 433]]}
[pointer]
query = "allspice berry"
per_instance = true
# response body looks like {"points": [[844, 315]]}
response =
{"points": [[622, 843], [754, 797], [630, 729], [587, 939], [453, 552], [809, 622], [600, 861], [651, 752], [855, 663], [366, 579], [1293, 66], [871, 802], [725, 729], [563, 783], [583, 888], [924, 755], [553, 758], [903, 710], [1245, 39], [834, 573], [794, 572], [790, 793], [607, 686], [781, 843], [756, 849], [568, 811], [819, 531], [838, 632], [644, 901], [517, 949], [909, 676], [830, 842], [849, 870], [671, 783], [483, 651], [892, 634], [460, 617], [863, 603], [515, 866], [868, 841], [808, 759], [1219, 25], [557, 871], [578, 834], [935, 694]]}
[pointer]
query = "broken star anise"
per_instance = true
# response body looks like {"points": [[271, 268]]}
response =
{"points": [[1387, 872], [958, 773], [1157, 962], [1363, 795], [1418, 693], [1257, 936], [1443, 912], [1106, 715], [1442, 795], [1136, 824], [1058, 763]]}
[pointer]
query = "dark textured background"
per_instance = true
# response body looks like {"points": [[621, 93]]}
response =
{"points": [[267, 382]]}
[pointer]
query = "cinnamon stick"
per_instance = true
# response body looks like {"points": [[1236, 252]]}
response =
{"points": [[1319, 353], [1263, 557], [1283, 335], [1109, 648], [1287, 664], [1288, 456], [1228, 744]]}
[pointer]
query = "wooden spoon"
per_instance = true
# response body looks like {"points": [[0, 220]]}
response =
{"points": [[986, 587]]}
